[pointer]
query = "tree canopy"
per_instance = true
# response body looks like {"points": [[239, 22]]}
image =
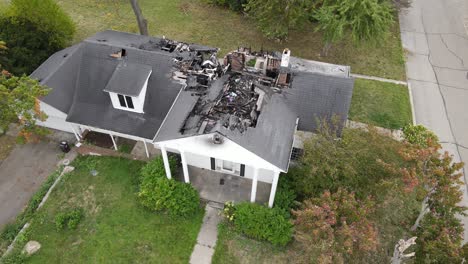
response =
{"points": [[365, 20], [33, 30], [18, 100]]}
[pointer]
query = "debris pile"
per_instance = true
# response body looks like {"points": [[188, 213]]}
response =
{"points": [[237, 105]]}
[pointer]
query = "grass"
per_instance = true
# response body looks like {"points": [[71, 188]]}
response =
{"points": [[380, 104], [7, 143], [198, 22], [232, 248], [115, 228]]}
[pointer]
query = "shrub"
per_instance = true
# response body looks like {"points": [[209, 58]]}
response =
{"points": [[262, 223], [419, 135], [33, 30], [156, 168], [161, 194], [71, 219], [336, 226], [285, 196]]}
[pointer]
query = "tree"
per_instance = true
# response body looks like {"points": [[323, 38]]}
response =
{"points": [[276, 17], [142, 22], [336, 228], [439, 231], [18, 100], [366, 20], [33, 30]]}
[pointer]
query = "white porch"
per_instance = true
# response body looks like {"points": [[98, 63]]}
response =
{"points": [[222, 187], [244, 181]]}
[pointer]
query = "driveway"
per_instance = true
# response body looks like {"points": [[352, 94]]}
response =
{"points": [[21, 175], [435, 34]]}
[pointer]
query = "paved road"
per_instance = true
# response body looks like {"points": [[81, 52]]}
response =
{"points": [[434, 34], [21, 174]]}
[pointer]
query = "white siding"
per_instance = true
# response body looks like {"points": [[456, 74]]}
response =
{"points": [[199, 149], [138, 101], [55, 119]]}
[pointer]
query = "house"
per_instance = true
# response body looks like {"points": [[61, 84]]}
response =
{"points": [[243, 116]]}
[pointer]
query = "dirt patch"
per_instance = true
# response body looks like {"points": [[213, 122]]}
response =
{"points": [[85, 199], [7, 143]]}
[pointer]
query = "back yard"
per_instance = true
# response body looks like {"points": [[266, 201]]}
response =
{"points": [[115, 227], [198, 22]]}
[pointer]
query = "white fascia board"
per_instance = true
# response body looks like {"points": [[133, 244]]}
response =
{"points": [[228, 150], [105, 131]]}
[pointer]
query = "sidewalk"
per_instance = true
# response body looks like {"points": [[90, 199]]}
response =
{"points": [[207, 237]]}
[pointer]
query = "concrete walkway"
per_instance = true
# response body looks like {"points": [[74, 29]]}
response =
{"points": [[367, 77], [208, 235], [436, 41]]}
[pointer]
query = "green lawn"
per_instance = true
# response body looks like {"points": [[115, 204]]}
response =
{"points": [[196, 21], [380, 104], [115, 228]]}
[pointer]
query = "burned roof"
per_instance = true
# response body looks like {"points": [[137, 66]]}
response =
{"points": [[256, 99], [128, 78]]}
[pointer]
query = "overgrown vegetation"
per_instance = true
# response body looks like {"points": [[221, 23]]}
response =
{"points": [[380, 104], [161, 194], [114, 227], [360, 195], [259, 222], [70, 219], [33, 30]]}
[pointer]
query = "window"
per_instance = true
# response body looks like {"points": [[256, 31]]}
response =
{"points": [[129, 102], [122, 100], [126, 101], [296, 154]]}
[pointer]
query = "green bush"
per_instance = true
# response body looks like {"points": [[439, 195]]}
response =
{"points": [[285, 195], [71, 219], [33, 30], [262, 223], [161, 194], [156, 168], [419, 135]]}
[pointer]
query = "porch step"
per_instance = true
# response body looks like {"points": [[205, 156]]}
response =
{"points": [[216, 205]]}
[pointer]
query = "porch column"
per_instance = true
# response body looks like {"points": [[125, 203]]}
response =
{"points": [[146, 149], [184, 167], [253, 193], [113, 141], [78, 138], [273, 188], [167, 167]]}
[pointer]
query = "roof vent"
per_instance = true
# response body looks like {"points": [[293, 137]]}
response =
{"points": [[217, 139]]}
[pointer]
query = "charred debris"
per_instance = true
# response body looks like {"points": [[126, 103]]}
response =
{"points": [[249, 80]]}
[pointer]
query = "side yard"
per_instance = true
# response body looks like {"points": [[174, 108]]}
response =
{"points": [[381, 104], [114, 226], [198, 22]]}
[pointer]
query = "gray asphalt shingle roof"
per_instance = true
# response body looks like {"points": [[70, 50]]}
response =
{"points": [[128, 78], [80, 75]]}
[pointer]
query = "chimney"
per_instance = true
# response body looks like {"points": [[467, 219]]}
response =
{"points": [[285, 58]]}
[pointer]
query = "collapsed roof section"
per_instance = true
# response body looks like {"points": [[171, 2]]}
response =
{"points": [[253, 99]]}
